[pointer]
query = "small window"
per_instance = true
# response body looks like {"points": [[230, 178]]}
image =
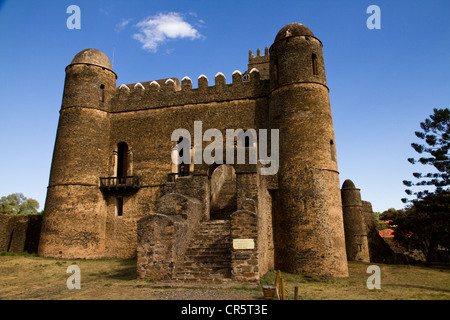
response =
{"points": [[314, 64], [102, 93], [332, 151], [119, 207], [275, 70]]}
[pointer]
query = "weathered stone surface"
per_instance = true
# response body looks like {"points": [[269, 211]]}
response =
{"points": [[356, 242], [245, 265], [19, 233], [124, 132], [163, 237]]}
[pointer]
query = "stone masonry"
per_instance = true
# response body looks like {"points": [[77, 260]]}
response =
{"points": [[114, 191]]}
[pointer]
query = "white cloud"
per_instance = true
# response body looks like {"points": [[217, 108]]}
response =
{"points": [[157, 29], [120, 26]]}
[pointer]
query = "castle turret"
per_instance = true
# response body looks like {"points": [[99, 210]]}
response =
{"points": [[75, 211], [354, 224], [308, 224]]}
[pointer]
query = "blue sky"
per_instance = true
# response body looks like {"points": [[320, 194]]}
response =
{"points": [[383, 83]]}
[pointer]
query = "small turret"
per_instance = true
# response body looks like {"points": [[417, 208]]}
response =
{"points": [[356, 241], [259, 62]]}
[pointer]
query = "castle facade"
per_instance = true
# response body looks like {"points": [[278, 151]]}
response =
{"points": [[114, 191]]}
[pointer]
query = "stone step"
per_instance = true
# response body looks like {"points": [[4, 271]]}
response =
{"points": [[208, 256], [195, 278], [205, 261], [204, 274], [212, 235], [208, 243]]}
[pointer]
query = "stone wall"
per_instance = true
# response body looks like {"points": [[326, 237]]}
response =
{"points": [[162, 237], [379, 250], [19, 233], [267, 185], [244, 257]]}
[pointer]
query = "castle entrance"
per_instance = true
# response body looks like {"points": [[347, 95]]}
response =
{"points": [[223, 196]]}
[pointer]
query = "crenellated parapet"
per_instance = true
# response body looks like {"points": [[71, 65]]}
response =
{"points": [[169, 92], [260, 62]]}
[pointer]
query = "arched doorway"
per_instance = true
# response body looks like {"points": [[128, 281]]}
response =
{"points": [[223, 196]]}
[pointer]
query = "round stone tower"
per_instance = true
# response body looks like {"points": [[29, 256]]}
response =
{"points": [[75, 211], [308, 224], [354, 223]]}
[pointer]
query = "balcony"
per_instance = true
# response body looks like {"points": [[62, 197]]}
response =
{"points": [[120, 184]]}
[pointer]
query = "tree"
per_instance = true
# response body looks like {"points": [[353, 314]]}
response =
{"points": [[436, 135], [17, 203], [425, 225]]}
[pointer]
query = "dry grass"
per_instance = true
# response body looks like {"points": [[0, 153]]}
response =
{"points": [[29, 277], [398, 282]]}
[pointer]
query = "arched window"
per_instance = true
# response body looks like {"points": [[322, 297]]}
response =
{"points": [[314, 64]]}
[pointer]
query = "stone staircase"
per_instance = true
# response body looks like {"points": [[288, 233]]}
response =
{"points": [[208, 255]]}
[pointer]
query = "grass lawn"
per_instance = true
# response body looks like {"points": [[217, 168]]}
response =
{"points": [[30, 277]]}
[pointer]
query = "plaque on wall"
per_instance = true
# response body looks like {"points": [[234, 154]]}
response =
{"points": [[243, 244]]}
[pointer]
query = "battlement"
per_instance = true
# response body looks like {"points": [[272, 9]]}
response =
{"points": [[258, 57], [259, 62], [169, 92]]}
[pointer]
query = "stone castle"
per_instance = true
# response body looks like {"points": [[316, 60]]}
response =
{"points": [[114, 191]]}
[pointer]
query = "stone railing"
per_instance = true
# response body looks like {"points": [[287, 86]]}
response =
{"points": [[163, 236]]}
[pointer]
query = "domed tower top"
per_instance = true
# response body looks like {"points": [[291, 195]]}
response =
{"points": [[296, 56], [90, 80], [292, 30], [351, 196], [348, 184], [93, 57]]}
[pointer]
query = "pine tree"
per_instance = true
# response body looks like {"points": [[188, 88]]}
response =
{"points": [[434, 152]]}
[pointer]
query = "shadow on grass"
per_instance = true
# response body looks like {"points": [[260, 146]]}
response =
{"points": [[126, 272]]}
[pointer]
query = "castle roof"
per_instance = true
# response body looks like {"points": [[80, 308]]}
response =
{"points": [[92, 56], [293, 29], [348, 184]]}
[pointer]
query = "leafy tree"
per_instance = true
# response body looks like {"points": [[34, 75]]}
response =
{"points": [[17, 203], [435, 152], [425, 225]]}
